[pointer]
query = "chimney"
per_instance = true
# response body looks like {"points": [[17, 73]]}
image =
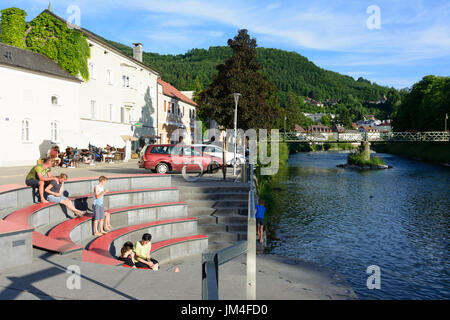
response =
{"points": [[137, 51]]}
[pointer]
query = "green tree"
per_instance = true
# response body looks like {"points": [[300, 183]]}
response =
{"points": [[425, 107], [326, 120], [242, 73]]}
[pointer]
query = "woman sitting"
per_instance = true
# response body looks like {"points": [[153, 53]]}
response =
{"points": [[127, 254], [54, 192]]}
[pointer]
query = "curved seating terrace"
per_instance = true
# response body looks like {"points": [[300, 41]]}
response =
{"points": [[133, 206]]}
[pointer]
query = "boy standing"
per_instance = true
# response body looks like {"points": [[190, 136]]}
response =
{"points": [[99, 208], [260, 211]]}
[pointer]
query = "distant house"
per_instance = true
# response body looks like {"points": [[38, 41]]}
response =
{"points": [[355, 126], [338, 128], [332, 102], [313, 102], [299, 129], [368, 129], [318, 129], [318, 116], [385, 126]]}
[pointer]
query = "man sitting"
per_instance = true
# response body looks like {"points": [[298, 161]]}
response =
{"points": [[38, 176]]}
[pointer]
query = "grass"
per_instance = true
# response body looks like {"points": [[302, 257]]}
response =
{"points": [[357, 159]]}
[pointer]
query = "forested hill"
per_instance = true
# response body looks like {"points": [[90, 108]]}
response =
{"points": [[289, 71]]}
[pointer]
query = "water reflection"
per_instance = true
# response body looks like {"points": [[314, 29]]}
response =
{"points": [[347, 220]]}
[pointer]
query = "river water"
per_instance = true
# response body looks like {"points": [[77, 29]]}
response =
{"points": [[396, 219]]}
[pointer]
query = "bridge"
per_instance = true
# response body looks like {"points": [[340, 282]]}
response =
{"points": [[354, 137]]}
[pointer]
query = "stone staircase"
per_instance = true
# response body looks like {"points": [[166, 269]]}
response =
{"points": [[221, 209]]}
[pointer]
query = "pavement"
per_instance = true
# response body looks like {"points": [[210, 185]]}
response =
{"points": [[47, 278], [278, 278]]}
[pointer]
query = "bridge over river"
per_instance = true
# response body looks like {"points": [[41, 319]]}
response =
{"points": [[334, 137]]}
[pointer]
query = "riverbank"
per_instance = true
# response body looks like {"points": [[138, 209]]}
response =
{"points": [[433, 152], [306, 147]]}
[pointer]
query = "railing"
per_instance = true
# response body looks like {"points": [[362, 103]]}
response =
{"points": [[210, 268], [334, 137], [212, 261]]}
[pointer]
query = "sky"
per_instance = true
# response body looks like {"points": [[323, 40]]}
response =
{"points": [[393, 43]]}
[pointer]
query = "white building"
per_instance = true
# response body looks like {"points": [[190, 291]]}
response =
{"points": [[39, 102], [121, 91]]}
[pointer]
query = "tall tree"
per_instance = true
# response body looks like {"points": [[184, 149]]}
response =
{"points": [[258, 105], [425, 107]]}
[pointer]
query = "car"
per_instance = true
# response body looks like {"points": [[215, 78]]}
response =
{"points": [[217, 152], [163, 158]]}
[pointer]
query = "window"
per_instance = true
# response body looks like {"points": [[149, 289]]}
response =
{"points": [[173, 108], [125, 115], [26, 130], [93, 110], [54, 131], [190, 113], [110, 112], [109, 76], [161, 150], [165, 106], [125, 81], [55, 100], [92, 71]]}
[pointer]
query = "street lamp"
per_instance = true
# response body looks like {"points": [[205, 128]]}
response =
{"points": [[236, 100]]}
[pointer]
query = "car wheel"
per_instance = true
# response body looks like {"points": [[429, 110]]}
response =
{"points": [[162, 168]]}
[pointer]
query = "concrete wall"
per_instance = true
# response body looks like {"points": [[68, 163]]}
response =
{"points": [[16, 249], [132, 217], [28, 95], [180, 250], [159, 233], [12, 200]]}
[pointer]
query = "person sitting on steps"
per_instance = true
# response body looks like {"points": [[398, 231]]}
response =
{"points": [[55, 191], [39, 176], [127, 254], [142, 252]]}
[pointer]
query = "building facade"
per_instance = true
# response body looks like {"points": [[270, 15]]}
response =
{"points": [[39, 102], [177, 114]]}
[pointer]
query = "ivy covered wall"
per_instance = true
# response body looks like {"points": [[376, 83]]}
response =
{"points": [[13, 27], [49, 36], [53, 38]]}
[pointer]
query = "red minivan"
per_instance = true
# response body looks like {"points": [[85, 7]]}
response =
{"points": [[162, 158]]}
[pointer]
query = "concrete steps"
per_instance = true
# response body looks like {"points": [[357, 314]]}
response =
{"points": [[241, 204], [222, 196]]}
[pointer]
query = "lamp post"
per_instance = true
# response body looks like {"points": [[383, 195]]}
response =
{"points": [[446, 118], [236, 100]]}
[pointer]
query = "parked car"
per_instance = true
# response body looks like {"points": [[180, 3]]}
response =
{"points": [[163, 158], [217, 152]]}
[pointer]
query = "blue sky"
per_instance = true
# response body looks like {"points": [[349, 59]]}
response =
{"points": [[413, 38]]}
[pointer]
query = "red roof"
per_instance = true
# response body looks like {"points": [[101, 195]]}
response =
{"points": [[173, 92]]}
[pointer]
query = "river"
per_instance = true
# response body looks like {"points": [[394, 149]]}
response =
{"points": [[396, 219]]}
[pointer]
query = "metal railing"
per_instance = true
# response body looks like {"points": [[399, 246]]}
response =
{"points": [[334, 137], [212, 261], [210, 268]]}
